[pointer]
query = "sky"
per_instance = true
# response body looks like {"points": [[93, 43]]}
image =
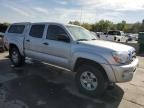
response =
{"points": [[64, 11]]}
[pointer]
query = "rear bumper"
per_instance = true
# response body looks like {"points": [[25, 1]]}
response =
{"points": [[125, 73]]}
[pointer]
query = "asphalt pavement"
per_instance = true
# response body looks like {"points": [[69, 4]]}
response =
{"points": [[39, 85]]}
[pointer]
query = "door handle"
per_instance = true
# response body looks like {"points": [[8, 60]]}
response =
{"points": [[28, 40], [45, 43]]}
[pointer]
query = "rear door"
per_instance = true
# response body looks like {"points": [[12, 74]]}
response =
{"points": [[33, 42]]}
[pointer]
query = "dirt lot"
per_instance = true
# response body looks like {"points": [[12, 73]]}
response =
{"points": [[39, 85]]}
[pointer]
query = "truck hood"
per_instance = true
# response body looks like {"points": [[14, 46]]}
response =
{"points": [[108, 45]]}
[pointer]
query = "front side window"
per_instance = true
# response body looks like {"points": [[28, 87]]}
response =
{"points": [[19, 29], [37, 31], [54, 32]]}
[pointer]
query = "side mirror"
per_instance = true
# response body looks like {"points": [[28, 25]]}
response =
{"points": [[1, 36], [64, 38]]}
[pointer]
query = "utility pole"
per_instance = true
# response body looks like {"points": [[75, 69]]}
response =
{"points": [[81, 16]]}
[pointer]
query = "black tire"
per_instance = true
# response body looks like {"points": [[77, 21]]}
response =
{"points": [[101, 80], [20, 59]]}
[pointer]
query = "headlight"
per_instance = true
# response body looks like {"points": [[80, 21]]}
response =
{"points": [[121, 57]]}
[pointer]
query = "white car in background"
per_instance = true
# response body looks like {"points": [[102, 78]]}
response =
{"points": [[114, 35], [132, 37]]}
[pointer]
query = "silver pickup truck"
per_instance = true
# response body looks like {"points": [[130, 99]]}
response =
{"points": [[97, 63]]}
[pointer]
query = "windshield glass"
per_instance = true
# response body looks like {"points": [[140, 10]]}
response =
{"points": [[114, 33], [81, 34], [119, 33], [122, 33]]}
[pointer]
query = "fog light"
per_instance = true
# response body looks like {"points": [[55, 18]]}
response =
{"points": [[127, 75]]}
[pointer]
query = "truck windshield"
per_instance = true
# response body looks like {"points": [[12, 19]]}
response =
{"points": [[122, 33], [81, 34], [118, 33], [114, 33]]}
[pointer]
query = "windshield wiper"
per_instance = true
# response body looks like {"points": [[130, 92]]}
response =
{"points": [[82, 40], [94, 39]]}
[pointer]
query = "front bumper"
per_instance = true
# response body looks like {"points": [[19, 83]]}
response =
{"points": [[125, 73]]}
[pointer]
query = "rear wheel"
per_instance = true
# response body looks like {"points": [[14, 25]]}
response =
{"points": [[16, 58], [90, 80]]}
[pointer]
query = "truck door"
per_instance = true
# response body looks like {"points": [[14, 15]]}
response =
{"points": [[57, 50], [33, 43]]}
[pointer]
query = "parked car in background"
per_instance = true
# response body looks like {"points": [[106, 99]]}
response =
{"points": [[2, 46], [97, 63], [99, 34], [132, 37], [94, 33], [114, 35]]}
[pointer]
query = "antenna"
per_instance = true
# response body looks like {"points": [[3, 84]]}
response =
{"points": [[81, 16]]}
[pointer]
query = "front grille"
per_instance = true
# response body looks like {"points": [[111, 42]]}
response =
{"points": [[133, 54]]}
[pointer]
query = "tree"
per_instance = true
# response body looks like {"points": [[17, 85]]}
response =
{"points": [[122, 26], [3, 27], [87, 26], [134, 28], [142, 26], [74, 22], [103, 25]]}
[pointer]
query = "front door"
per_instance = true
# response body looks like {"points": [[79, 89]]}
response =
{"points": [[58, 51]]}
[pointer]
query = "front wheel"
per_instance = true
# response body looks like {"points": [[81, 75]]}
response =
{"points": [[90, 80], [16, 58]]}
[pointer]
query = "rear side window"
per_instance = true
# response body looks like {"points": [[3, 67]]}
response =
{"points": [[19, 29], [37, 31]]}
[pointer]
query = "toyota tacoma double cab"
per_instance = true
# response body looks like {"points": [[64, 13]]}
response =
{"points": [[97, 63]]}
